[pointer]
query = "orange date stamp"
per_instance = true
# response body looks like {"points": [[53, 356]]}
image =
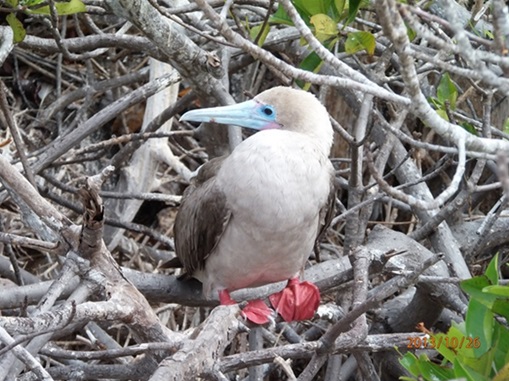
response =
{"points": [[453, 343]]}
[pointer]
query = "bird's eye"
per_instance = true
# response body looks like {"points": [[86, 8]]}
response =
{"points": [[268, 110]]}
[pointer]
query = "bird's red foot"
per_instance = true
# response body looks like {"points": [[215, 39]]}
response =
{"points": [[225, 299], [255, 311], [297, 301]]}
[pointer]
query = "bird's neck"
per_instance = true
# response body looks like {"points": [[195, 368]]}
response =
{"points": [[322, 139], [276, 168]]}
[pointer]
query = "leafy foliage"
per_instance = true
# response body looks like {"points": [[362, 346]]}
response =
{"points": [[477, 349], [323, 17], [447, 94], [36, 7], [357, 41]]}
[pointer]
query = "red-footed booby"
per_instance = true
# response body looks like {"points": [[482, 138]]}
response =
{"points": [[253, 217]]}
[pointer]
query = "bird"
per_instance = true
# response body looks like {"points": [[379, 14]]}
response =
{"points": [[253, 217]]}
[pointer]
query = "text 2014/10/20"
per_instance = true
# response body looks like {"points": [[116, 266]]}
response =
{"points": [[437, 342]]}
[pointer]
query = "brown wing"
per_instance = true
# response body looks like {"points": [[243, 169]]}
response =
{"points": [[326, 216], [201, 219]]}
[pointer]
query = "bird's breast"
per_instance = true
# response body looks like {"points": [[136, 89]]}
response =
{"points": [[275, 189], [276, 179]]}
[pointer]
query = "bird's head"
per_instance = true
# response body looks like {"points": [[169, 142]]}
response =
{"points": [[277, 108]]}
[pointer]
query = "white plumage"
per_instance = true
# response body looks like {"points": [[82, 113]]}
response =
{"points": [[255, 217]]}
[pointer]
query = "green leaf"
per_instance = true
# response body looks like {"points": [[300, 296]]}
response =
{"points": [[481, 365], [474, 287], [410, 33], [469, 127], [424, 368], [70, 8], [410, 362], [501, 347], [313, 7], [497, 290], [501, 307], [438, 105], [258, 32], [357, 41], [12, 3], [489, 34], [280, 17], [462, 371], [443, 114], [479, 324], [431, 371], [503, 374], [300, 5], [506, 126], [340, 6], [353, 8], [492, 270], [63, 8], [18, 30], [311, 63], [447, 91], [452, 343], [30, 3], [325, 27]]}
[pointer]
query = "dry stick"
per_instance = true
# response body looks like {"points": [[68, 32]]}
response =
{"points": [[142, 319], [255, 339], [199, 67], [185, 293], [372, 343], [11, 178], [365, 364], [53, 27], [14, 264], [167, 198], [62, 144], [95, 88], [127, 138], [125, 153], [325, 54], [139, 315], [292, 72], [384, 291], [10, 297], [91, 42], [135, 371], [360, 259], [501, 25], [18, 140], [6, 42], [112, 222], [492, 216], [16, 271], [395, 29], [170, 14], [460, 200], [41, 336], [22, 56], [200, 355], [354, 229], [53, 327], [23, 355], [132, 350], [440, 200]]}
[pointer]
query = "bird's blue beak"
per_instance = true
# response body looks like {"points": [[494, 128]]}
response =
{"points": [[250, 114]]}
